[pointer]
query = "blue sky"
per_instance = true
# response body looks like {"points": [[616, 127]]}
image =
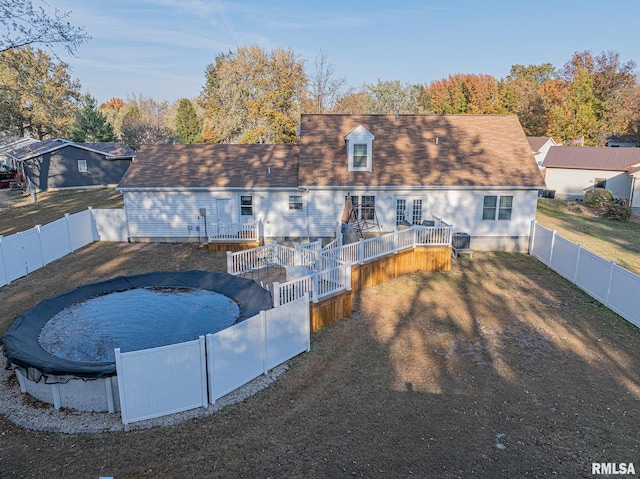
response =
{"points": [[160, 48]]}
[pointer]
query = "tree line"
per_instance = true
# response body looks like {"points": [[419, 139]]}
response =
{"points": [[252, 95]]}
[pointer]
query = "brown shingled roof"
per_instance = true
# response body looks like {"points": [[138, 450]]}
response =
{"points": [[471, 150], [592, 158], [213, 166]]}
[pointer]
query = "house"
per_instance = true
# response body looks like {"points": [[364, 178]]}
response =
{"points": [[57, 163], [540, 147], [475, 172], [571, 171], [621, 141]]}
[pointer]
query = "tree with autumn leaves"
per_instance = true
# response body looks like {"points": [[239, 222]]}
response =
{"points": [[590, 98], [253, 96]]}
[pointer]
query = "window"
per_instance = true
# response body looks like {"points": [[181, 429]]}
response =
{"points": [[503, 207], [360, 155], [401, 209], [600, 183], [504, 212], [416, 217], [368, 208], [365, 210], [355, 201], [82, 166], [246, 205], [295, 202], [359, 144], [489, 207]]}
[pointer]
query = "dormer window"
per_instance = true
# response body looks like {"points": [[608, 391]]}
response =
{"points": [[360, 149], [360, 155]]}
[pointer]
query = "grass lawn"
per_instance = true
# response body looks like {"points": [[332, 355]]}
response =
{"points": [[612, 240], [18, 212], [497, 369]]}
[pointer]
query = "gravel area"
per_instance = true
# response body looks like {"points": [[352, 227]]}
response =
{"points": [[25, 411]]}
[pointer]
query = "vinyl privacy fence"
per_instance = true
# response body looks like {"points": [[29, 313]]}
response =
{"points": [[25, 252], [612, 285], [170, 379]]}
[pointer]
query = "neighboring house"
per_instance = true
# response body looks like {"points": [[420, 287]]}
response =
{"points": [[56, 163], [571, 171], [626, 141], [540, 147], [475, 172]]}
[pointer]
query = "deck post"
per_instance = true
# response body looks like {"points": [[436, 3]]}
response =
{"points": [[230, 262], [276, 294]]}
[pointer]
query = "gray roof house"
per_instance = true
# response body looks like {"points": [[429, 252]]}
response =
{"points": [[57, 163], [475, 172]]}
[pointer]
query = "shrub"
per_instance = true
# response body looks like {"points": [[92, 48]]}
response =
{"points": [[619, 211], [598, 198]]}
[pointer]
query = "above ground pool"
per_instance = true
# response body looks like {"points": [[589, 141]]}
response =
{"points": [[75, 334]]}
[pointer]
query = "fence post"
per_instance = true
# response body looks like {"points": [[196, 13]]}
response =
{"points": [[265, 342], [39, 230], [575, 273], [395, 240], [204, 381], [67, 218], [94, 225], [613, 265], [4, 262], [276, 294], [307, 318], [361, 252], [123, 403], [230, 262], [532, 236], [553, 244], [316, 285]]}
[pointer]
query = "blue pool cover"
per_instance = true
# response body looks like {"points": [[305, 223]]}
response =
{"points": [[44, 341]]}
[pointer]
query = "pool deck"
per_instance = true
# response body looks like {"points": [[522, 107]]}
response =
{"points": [[267, 276]]}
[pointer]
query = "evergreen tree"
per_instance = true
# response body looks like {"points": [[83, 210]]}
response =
{"points": [[188, 124], [89, 124]]}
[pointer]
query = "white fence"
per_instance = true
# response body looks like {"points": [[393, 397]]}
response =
{"points": [[160, 381], [613, 286], [24, 252]]}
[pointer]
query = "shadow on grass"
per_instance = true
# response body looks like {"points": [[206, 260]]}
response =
{"points": [[499, 368]]}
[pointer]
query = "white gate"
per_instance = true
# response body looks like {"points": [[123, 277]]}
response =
{"points": [[160, 381]]}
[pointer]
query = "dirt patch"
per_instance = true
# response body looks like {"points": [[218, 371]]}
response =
{"points": [[499, 368]]}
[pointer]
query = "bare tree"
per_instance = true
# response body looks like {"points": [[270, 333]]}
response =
{"points": [[324, 88], [25, 24]]}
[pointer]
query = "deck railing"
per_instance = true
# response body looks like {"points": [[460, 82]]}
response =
{"points": [[235, 231], [330, 268]]}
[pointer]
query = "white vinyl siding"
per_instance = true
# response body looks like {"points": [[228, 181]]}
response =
{"points": [[573, 183], [163, 214]]}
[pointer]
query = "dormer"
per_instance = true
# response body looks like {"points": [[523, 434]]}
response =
{"points": [[359, 149]]}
